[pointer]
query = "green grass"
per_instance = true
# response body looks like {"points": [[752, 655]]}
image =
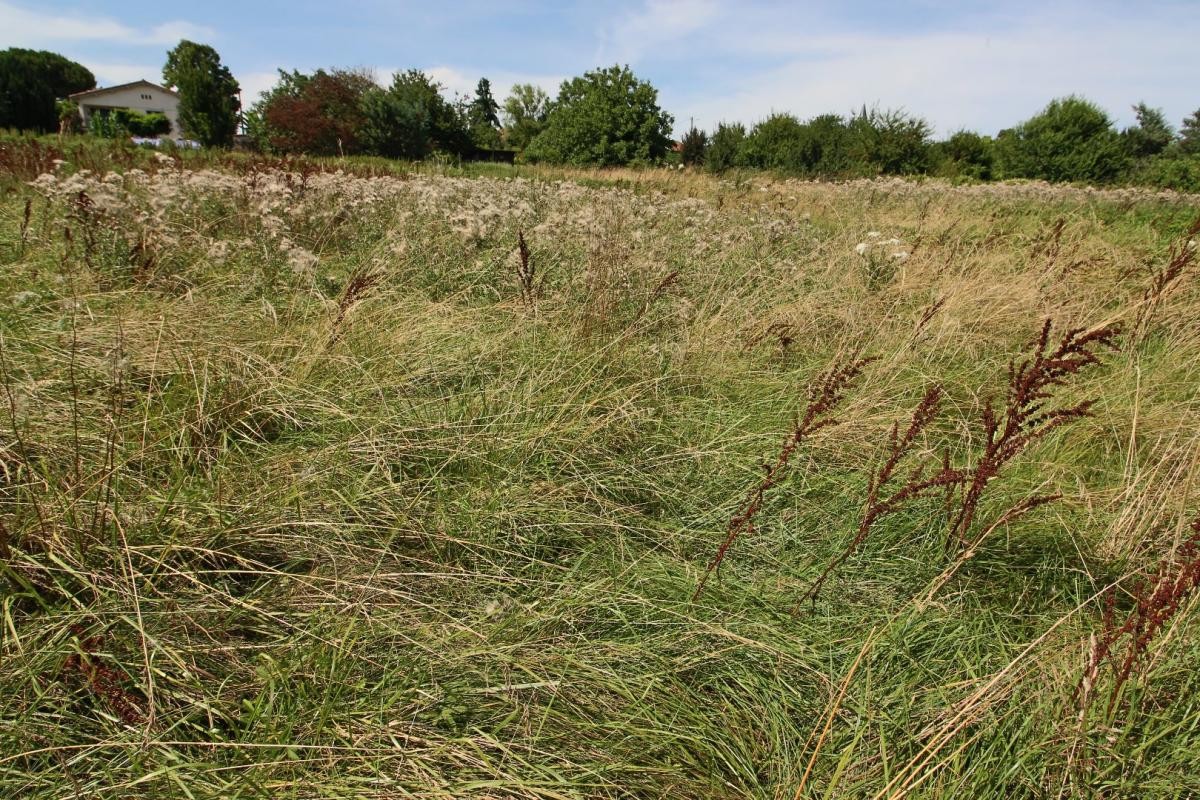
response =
{"points": [[450, 551]]}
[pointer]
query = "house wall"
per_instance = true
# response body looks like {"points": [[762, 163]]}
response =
{"points": [[142, 98]]}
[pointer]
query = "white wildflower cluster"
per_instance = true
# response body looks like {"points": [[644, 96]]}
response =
{"points": [[875, 246]]}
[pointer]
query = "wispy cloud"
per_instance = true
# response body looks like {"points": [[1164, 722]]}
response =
{"points": [[656, 25], [985, 78], [24, 27]]}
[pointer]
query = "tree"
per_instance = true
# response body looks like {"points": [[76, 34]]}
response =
{"points": [[778, 143], [447, 128], [966, 154], [394, 127], [318, 114], [1189, 134], [1070, 140], [890, 142], [606, 117], [725, 148], [1151, 135], [693, 147], [208, 94], [525, 112], [31, 82], [483, 118]]}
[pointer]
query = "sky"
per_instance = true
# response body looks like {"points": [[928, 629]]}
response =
{"points": [[959, 64]]}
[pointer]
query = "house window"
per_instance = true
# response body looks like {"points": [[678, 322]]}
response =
{"points": [[147, 97]]}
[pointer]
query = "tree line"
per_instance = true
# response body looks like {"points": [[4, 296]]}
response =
{"points": [[611, 117]]}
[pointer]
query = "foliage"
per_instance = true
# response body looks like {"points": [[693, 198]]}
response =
{"points": [[525, 111], [889, 142], [1152, 134], [121, 122], [318, 114], [69, 120], [965, 154], [483, 120], [607, 117], [447, 128], [1070, 140], [393, 127], [725, 149], [31, 81], [1189, 134], [208, 93], [693, 147]]}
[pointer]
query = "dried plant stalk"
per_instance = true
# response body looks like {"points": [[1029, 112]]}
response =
{"points": [[823, 398]]}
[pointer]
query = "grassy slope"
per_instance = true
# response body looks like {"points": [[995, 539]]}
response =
{"points": [[446, 547]]}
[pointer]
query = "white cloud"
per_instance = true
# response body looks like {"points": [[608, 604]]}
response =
{"points": [[23, 27], [657, 25], [985, 79]]}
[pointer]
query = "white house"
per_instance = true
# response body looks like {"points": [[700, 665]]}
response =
{"points": [[139, 95]]}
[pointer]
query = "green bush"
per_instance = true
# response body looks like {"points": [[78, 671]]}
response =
{"points": [[606, 117], [1070, 140], [725, 148], [889, 142], [693, 146], [965, 154]]}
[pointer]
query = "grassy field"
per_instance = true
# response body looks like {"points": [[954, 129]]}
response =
{"points": [[319, 484]]}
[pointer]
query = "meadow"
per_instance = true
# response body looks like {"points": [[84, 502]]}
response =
{"points": [[340, 478]]}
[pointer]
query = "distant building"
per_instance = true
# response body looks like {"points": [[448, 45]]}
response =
{"points": [[139, 95]]}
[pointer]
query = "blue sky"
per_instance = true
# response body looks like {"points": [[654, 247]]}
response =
{"points": [[982, 66]]}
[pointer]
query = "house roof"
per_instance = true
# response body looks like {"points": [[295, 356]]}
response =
{"points": [[107, 89]]}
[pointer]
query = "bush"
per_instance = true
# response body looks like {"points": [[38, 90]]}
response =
{"points": [[607, 117], [965, 154], [1172, 169], [693, 146], [889, 142], [319, 114], [725, 148], [1071, 140]]}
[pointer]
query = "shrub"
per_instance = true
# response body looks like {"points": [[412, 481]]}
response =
{"points": [[607, 117], [1071, 140], [890, 142], [320, 114], [725, 148], [693, 146], [965, 154]]}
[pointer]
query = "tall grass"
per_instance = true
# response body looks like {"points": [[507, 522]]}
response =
{"points": [[309, 488]]}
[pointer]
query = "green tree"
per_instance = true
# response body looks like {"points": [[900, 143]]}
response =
{"points": [[1189, 134], [1070, 140], [890, 142], [525, 111], [1151, 135], [965, 154], [693, 146], [208, 94], [606, 117], [447, 128], [483, 116], [31, 83], [394, 127], [725, 147], [777, 143]]}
